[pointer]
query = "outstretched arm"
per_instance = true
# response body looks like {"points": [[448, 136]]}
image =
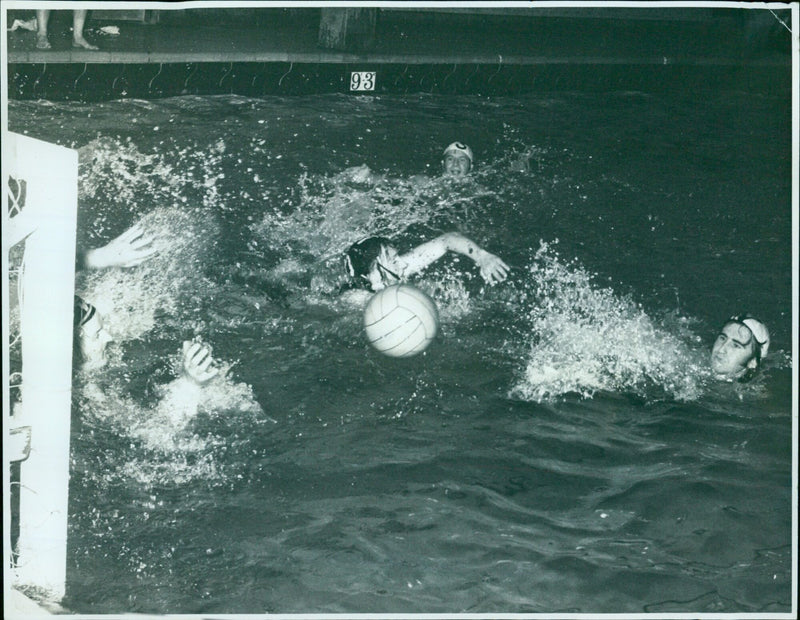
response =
{"points": [[492, 269], [131, 248]]}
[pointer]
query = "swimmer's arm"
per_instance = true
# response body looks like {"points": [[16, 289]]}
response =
{"points": [[491, 267], [131, 248], [182, 397]]}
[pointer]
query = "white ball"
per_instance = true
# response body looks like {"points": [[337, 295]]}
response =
{"points": [[400, 321]]}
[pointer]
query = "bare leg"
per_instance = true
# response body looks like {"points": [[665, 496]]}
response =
{"points": [[78, 20], [42, 16]]}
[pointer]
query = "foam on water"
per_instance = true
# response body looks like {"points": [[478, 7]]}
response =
{"points": [[176, 203], [176, 438], [584, 338], [580, 338], [422, 487], [170, 297], [330, 213], [131, 301]]}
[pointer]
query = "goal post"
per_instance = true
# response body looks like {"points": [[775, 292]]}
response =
{"points": [[42, 195]]}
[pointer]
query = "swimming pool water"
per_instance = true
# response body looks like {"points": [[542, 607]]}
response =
{"points": [[561, 446]]}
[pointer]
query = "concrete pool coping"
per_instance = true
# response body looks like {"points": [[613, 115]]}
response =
{"points": [[537, 42]]}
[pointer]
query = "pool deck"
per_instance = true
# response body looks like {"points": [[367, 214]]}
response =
{"points": [[534, 41]]}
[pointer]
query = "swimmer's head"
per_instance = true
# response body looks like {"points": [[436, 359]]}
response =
{"points": [[741, 345], [89, 336], [372, 263], [457, 159]]}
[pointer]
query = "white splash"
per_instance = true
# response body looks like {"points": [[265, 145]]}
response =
{"points": [[584, 339]]}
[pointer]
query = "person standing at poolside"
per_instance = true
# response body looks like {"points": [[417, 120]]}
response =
{"points": [[78, 22], [740, 348]]}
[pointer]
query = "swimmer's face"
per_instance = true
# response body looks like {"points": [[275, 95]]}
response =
{"points": [[456, 164], [734, 352], [94, 338], [386, 270]]}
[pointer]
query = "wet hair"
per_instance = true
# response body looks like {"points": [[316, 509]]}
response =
{"points": [[760, 338], [360, 256]]}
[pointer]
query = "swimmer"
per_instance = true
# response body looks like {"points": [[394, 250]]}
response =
{"points": [[374, 263], [131, 248], [91, 338], [457, 160], [739, 349]]}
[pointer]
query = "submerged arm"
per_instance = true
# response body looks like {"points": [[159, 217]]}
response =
{"points": [[491, 267]]}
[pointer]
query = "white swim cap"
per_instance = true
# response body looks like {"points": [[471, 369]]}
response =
{"points": [[459, 147], [760, 333]]}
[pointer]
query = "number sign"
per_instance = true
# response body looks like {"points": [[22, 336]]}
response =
{"points": [[362, 80]]}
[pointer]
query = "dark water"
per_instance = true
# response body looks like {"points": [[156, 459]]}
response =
{"points": [[560, 447]]}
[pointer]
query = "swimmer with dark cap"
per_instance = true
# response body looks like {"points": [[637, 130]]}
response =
{"points": [[374, 263], [91, 338], [740, 347]]}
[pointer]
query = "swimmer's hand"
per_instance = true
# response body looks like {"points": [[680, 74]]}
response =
{"points": [[131, 248], [493, 269], [198, 365]]}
